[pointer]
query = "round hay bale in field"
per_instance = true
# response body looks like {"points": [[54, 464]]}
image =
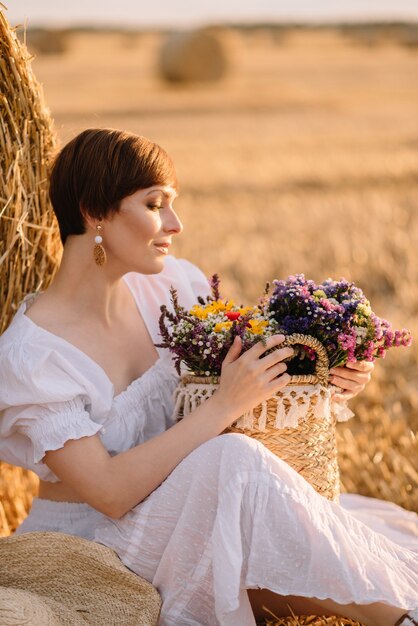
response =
{"points": [[409, 37], [193, 56], [47, 41], [29, 240]]}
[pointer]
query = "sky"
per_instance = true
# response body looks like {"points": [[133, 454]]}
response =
{"points": [[196, 12]]}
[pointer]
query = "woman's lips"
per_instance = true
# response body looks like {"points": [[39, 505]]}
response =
{"points": [[163, 248]]}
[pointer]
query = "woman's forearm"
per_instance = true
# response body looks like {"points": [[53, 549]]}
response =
{"points": [[114, 485]]}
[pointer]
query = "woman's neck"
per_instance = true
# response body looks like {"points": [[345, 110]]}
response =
{"points": [[82, 288]]}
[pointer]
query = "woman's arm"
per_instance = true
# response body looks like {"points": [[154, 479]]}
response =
{"points": [[114, 485]]}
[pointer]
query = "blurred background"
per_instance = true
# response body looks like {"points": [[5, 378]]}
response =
{"points": [[294, 131]]}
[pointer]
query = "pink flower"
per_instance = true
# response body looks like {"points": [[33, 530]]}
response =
{"points": [[348, 343], [369, 351], [326, 304], [310, 353], [389, 336]]}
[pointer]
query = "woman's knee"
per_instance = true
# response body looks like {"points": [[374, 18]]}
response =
{"points": [[238, 449], [240, 442], [229, 452]]}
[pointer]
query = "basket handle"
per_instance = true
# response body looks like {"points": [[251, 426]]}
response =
{"points": [[321, 374]]}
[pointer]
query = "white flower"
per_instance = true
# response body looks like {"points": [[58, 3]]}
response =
{"points": [[360, 333]]}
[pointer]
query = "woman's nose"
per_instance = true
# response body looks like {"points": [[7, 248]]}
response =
{"points": [[172, 223]]}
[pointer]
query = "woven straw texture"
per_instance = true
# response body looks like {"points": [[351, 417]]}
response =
{"points": [[309, 445], [29, 241], [78, 581], [311, 448], [23, 608]]}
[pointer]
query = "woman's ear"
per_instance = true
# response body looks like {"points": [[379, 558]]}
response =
{"points": [[89, 221]]}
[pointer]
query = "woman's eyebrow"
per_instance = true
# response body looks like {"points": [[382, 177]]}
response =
{"points": [[174, 194]]}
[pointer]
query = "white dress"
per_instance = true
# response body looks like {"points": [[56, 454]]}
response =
{"points": [[231, 516]]}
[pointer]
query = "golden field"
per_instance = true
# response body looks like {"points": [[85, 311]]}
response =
{"points": [[302, 159]]}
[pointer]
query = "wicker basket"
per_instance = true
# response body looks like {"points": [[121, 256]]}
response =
{"points": [[298, 424]]}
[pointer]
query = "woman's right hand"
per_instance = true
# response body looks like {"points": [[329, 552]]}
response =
{"points": [[248, 379]]}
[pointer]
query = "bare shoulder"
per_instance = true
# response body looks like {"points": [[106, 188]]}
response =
{"points": [[47, 311]]}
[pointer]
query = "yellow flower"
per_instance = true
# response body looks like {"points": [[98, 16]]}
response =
{"points": [[319, 293], [257, 326], [218, 306], [364, 309], [199, 311], [248, 309], [220, 326]]}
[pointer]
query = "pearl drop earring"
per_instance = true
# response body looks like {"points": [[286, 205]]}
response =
{"points": [[98, 251]]}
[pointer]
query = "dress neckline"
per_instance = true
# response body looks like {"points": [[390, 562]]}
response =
{"points": [[84, 354]]}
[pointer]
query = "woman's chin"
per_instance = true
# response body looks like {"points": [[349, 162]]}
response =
{"points": [[154, 266]]}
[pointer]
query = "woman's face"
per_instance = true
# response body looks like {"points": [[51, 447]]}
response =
{"points": [[138, 236]]}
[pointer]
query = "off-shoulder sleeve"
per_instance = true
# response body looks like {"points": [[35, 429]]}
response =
{"points": [[42, 406]]}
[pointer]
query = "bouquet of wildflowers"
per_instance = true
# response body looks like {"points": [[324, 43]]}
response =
{"points": [[336, 313], [201, 337]]}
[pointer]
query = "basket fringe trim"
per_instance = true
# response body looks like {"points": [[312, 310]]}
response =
{"points": [[291, 405]]}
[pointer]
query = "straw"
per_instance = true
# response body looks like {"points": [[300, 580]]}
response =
{"points": [[29, 242], [80, 581]]}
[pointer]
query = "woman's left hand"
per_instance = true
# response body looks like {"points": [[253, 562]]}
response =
{"points": [[351, 378]]}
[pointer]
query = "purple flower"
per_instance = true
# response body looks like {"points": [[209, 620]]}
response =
{"points": [[337, 313]]}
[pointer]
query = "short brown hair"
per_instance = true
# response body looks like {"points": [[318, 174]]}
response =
{"points": [[100, 167]]}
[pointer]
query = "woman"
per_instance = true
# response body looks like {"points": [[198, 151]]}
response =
{"points": [[86, 402]]}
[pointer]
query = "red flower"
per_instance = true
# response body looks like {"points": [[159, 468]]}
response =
{"points": [[232, 315]]}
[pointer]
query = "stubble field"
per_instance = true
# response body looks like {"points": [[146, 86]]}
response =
{"points": [[302, 159]]}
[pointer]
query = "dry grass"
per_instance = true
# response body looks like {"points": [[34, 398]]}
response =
{"points": [[272, 619], [29, 245], [311, 620], [303, 159]]}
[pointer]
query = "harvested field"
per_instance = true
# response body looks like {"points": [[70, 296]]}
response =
{"points": [[302, 159]]}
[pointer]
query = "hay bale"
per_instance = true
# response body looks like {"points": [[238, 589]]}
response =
{"points": [[409, 37], [47, 41], [29, 241], [17, 489], [193, 56]]}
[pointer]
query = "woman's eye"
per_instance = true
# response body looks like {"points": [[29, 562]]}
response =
{"points": [[155, 206]]}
